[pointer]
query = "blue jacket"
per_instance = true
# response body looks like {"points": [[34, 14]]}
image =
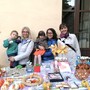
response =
{"points": [[48, 54]]}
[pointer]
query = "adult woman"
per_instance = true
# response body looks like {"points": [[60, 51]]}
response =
{"points": [[24, 48], [71, 42], [51, 40]]}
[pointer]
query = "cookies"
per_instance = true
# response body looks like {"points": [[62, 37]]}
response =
{"points": [[82, 71]]}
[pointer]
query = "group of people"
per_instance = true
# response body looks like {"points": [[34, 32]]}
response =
{"points": [[19, 50]]}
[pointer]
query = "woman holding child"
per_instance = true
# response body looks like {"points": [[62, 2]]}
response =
{"points": [[24, 48]]}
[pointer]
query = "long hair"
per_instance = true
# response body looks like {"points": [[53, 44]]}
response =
{"points": [[28, 29], [54, 33]]}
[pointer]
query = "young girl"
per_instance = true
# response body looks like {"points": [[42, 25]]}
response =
{"points": [[12, 47], [39, 44]]}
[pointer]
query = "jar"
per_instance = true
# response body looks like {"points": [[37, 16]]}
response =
{"points": [[29, 67]]}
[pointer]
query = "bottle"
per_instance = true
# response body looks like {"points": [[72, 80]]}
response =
{"points": [[29, 67], [77, 60]]}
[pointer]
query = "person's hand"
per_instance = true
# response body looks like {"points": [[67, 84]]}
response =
{"points": [[10, 38], [11, 59], [37, 49], [41, 47]]}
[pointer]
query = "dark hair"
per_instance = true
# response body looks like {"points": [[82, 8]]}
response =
{"points": [[54, 33], [41, 33], [19, 37], [63, 25], [14, 31]]}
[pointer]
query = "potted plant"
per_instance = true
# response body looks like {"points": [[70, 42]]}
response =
{"points": [[37, 68]]}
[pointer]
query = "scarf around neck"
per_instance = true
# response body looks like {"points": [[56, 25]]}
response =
{"points": [[64, 35]]}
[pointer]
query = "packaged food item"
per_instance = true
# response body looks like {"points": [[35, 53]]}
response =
{"points": [[73, 85], [55, 77]]}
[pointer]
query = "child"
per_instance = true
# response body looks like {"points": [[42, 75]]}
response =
{"points": [[39, 43], [12, 47], [18, 40]]}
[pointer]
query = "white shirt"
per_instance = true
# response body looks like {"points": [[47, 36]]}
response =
{"points": [[24, 50], [72, 41], [71, 55]]}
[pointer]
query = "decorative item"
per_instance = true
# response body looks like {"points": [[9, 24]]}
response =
{"points": [[85, 84], [46, 85], [37, 68], [57, 49]]}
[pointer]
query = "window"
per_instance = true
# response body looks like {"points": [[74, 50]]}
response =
{"points": [[76, 14], [84, 29], [68, 14]]}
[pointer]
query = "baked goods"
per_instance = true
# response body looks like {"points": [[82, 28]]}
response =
{"points": [[82, 71], [15, 72], [1, 81], [14, 86], [63, 84], [17, 86], [32, 80], [6, 84]]}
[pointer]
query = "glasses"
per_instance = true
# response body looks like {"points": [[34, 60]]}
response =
{"points": [[49, 33], [25, 32]]}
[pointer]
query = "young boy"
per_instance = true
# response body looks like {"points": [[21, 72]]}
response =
{"points": [[12, 47]]}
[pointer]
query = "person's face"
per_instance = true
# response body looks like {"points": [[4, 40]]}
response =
{"points": [[42, 37], [64, 30], [50, 34], [14, 35], [25, 33]]}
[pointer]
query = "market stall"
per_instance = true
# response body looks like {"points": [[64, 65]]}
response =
{"points": [[56, 75]]}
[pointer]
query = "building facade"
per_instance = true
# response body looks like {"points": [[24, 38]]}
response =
{"points": [[36, 14]]}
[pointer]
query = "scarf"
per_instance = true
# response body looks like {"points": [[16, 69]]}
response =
{"points": [[64, 35], [24, 41]]}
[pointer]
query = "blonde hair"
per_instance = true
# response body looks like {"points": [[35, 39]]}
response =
{"points": [[28, 29]]}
